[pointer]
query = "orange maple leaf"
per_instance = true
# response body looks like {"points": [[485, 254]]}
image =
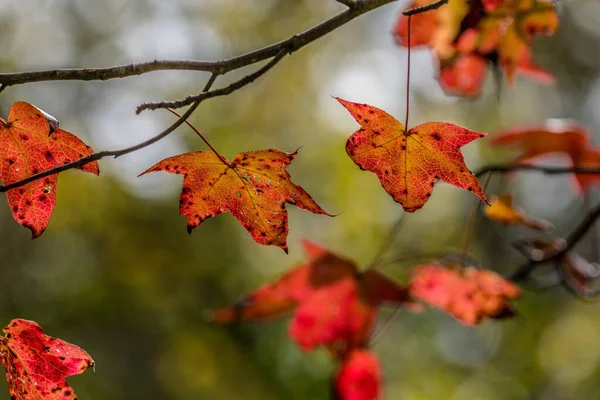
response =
{"points": [[254, 187], [31, 142], [409, 164], [37, 364], [335, 304], [502, 210]]}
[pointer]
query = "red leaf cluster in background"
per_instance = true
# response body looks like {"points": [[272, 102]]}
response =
{"points": [[554, 136], [467, 35], [334, 306], [37, 364], [31, 142], [468, 294]]}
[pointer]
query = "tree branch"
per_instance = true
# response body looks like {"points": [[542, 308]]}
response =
{"points": [[275, 51], [290, 45]]}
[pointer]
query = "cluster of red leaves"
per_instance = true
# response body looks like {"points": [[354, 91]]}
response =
{"points": [[468, 294], [409, 163], [32, 142], [334, 306], [467, 35], [37, 364], [554, 136]]}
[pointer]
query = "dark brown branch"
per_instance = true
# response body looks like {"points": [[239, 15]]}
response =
{"points": [[422, 9], [213, 93], [289, 45]]}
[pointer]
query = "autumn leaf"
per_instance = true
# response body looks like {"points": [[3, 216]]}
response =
{"points": [[408, 164], [31, 142], [502, 210], [37, 365], [254, 187], [358, 377], [468, 294], [334, 303], [553, 136]]}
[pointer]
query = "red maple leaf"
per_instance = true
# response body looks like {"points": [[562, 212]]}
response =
{"points": [[408, 164], [37, 364], [335, 304], [31, 142], [358, 376], [553, 136], [254, 187], [468, 294]]}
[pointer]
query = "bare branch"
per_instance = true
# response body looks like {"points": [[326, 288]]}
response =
{"points": [[290, 45]]}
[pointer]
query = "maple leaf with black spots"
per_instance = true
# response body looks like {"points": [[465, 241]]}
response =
{"points": [[254, 187], [32, 142]]}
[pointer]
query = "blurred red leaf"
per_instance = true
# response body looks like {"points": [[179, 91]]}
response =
{"points": [[334, 303], [468, 294], [553, 136], [254, 187], [408, 164], [37, 365], [358, 377], [31, 142]]}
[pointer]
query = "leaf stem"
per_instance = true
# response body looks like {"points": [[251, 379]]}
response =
{"points": [[223, 159], [408, 78]]}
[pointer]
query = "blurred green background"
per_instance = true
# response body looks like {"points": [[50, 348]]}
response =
{"points": [[117, 274]]}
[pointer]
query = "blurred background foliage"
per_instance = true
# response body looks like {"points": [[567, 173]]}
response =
{"points": [[117, 274]]}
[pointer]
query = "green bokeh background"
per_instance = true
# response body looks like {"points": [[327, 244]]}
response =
{"points": [[117, 274]]}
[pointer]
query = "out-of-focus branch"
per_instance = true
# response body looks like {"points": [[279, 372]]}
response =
{"points": [[546, 169], [525, 269]]}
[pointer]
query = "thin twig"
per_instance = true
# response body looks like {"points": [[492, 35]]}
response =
{"points": [[546, 169], [347, 3], [214, 93], [387, 243], [407, 78], [525, 269]]}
